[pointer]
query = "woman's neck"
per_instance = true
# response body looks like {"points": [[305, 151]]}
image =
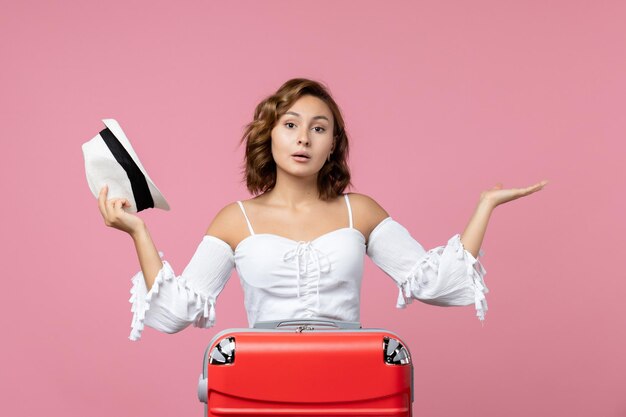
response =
{"points": [[293, 191]]}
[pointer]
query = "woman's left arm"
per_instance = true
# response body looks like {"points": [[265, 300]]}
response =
{"points": [[472, 237]]}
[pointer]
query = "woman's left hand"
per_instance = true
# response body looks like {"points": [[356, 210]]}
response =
{"points": [[497, 195]]}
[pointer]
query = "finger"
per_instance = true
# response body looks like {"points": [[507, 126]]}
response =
{"points": [[540, 185], [110, 206], [117, 205], [102, 198], [124, 203], [532, 189]]}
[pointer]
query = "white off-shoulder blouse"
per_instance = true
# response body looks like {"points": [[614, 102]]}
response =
{"points": [[321, 278]]}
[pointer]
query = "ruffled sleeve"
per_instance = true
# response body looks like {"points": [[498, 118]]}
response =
{"points": [[445, 276], [174, 303]]}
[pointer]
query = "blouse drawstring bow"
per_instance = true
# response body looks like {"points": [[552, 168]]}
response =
{"points": [[302, 252]]}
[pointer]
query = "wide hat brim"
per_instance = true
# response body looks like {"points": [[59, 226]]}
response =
{"points": [[119, 168]]}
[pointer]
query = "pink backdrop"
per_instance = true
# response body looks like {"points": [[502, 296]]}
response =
{"points": [[442, 99]]}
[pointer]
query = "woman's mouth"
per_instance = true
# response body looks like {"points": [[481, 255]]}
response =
{"points": [[301, 156]]}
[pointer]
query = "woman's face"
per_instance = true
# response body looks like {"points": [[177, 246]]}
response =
{"points": [[305, 129]]}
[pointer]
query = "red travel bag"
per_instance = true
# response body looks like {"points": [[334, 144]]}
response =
{"points": [[306, 368]]}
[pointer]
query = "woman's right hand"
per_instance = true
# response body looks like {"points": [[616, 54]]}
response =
{"points": [[115, 216]]}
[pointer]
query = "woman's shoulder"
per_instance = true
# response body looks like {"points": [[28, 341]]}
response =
{"points": [[366, 212], [229, 225], [367, 206]]}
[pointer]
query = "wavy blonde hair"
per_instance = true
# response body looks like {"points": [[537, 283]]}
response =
{"points": [[259, 167]]}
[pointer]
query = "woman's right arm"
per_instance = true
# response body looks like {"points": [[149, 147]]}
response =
{"points": [[160, 299], [148, 255], [112, 211]]}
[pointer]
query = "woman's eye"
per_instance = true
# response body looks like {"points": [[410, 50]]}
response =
{"points": [[319, 129], [289, 125]]}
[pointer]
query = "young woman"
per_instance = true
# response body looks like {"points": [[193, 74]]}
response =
{"points": [[299, 244]]}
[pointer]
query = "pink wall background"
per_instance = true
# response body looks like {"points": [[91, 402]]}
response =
{"points": [[442, 99]]}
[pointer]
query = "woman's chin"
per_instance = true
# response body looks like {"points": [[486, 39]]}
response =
{"points": [[299, 172]]}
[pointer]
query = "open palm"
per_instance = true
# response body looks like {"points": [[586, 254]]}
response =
{"points": [[497, 195]]}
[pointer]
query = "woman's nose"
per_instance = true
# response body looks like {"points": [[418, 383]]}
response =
{"points": [[303, 138]]}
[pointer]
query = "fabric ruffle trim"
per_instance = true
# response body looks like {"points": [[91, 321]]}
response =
{"points": [[474, 277], [141, 299]]}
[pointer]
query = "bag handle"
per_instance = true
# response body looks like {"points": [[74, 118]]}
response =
{"points": [[308, 323]]}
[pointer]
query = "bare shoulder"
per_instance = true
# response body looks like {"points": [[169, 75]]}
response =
{"points": [[367, 212], [229, 225]]}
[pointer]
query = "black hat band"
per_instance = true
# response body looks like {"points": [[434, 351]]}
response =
{"points": [[138, 182]]}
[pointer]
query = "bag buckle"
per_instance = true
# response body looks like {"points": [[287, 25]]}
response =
{"points": [[300, 329]]}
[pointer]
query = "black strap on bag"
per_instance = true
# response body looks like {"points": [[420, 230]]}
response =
{"points": [[138, 182]]}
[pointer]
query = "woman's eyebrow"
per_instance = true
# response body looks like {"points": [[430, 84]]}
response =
{"points": [[314, 118]]}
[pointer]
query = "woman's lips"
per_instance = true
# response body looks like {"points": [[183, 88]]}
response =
{"points": [[300, 158]]}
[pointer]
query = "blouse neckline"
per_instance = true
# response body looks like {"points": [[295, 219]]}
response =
{"points": [[296, 242]]}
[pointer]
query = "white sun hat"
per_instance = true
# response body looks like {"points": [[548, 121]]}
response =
{"points": [[111, 160]]}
